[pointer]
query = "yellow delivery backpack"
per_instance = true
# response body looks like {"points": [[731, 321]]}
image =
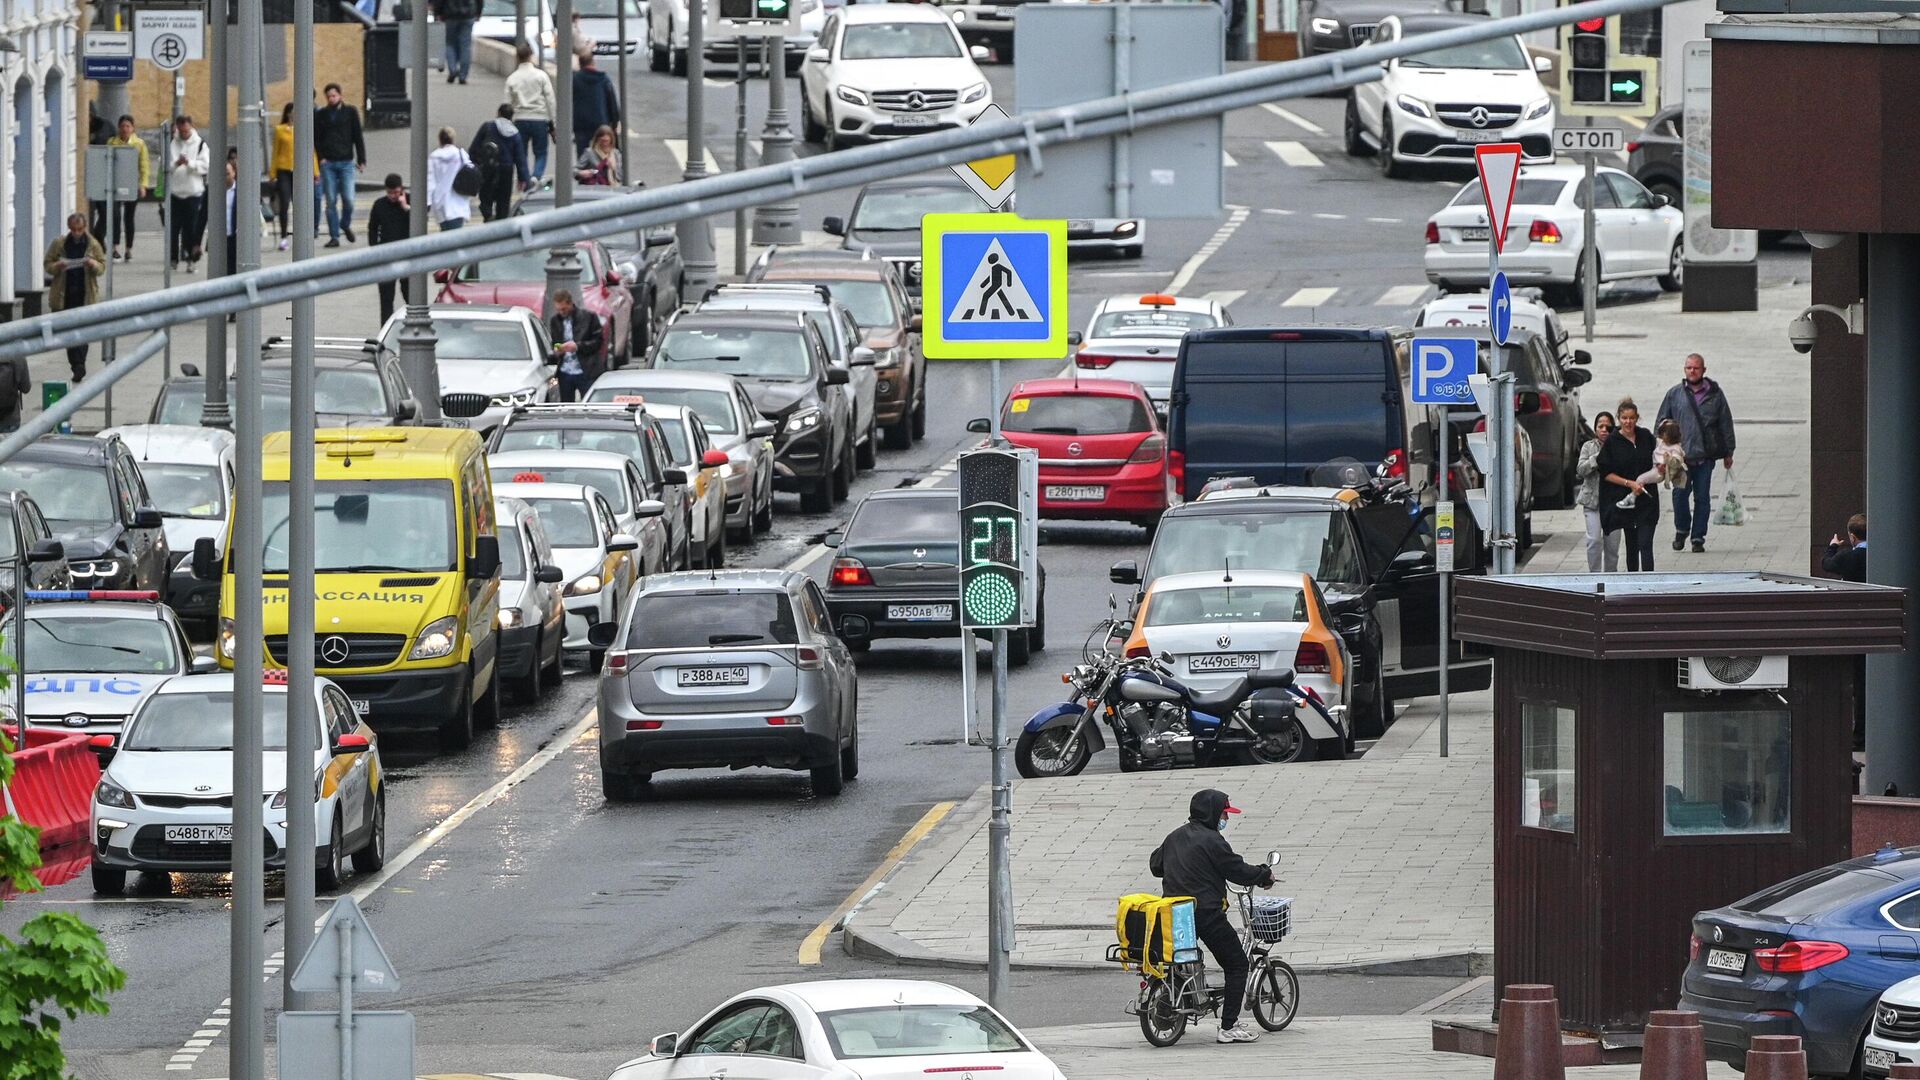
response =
{"points": [[1154, 931]]}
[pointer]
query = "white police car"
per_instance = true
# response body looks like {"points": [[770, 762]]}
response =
{"points": [[93, 655]]}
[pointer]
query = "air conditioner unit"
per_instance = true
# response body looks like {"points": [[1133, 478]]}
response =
{"points": [[1733, 673]]}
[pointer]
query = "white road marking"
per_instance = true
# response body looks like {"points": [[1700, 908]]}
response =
{"points": [[1295, 154], [1236, 216], [1226, 297], [1402, 296], [1331, 217], [1275, 210], [678, 148], [1313, 297], [1386, 221], [1294, 118], [1227, 159]]}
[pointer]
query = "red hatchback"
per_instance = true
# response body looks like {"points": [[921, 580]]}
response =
{"points": [[1103, 456]]}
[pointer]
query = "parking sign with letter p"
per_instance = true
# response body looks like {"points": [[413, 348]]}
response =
{"points": [[1440, 370]]}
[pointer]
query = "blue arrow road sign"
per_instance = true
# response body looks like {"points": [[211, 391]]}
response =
{"points": [[1441, 367], [1500, 308]]}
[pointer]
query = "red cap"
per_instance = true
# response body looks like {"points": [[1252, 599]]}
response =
{"points": [[1233, 809]]}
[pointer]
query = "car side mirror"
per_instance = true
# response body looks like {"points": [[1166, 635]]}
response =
{"points": [[660, 239], [834, 538], [103, 746], [833, 225], [612, 280], [663, 1045], [203, 665], [714, 459], [1578, 377], [147, 518], [862, 356], [1406, 563], [855, 628], [1350, 625], [1273, 858], [1074, 337], [601, 635], [1582, 356], [46, 551], [485, 560], [191, 371], [650, 508], [628, 271], [837, 377], [1125, 572], [443, 276], [762, 428], [206, 560], [1660, 200], [913, 324], [816, 56], [1543, 64], [406, 410], [980, 425], [351, 743], [979, 53], [1526, 402], [622, 542], [673, 476], [549, 575]]}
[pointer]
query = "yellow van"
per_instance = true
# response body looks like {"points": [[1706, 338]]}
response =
{"points": [[407, 575]]}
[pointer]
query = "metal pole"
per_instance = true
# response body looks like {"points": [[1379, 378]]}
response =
{"points": [[216, 412], [166, 212], [1122, 82], [1509, 543], [969, 687], [416, 329], [1589, 255], [520, 26], [49, 420], [345, 933], [249, 809], [740, 150], [620, 66], [19, 642], [303, 722], [999, 829], [779, 222], [1445, 428], [700, 264], [113, 232], [563, 266]]}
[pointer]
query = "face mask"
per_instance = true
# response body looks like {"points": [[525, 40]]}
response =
{"points": [[1223, 824]]}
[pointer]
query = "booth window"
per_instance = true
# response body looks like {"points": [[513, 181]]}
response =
{"points": [[1546, 766], [1726, 772]]}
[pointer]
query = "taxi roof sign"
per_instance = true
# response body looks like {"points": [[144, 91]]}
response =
{"points": [[990, 178]]}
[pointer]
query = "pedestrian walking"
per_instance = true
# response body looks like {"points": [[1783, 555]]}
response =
{"points": [[1847, 559], [390, 219], [122, 239], [342, 147], [530, 92], [188, 164], [578, 346], [599, 163], [15, 381], [500, 153], [1699, 406], [281, 165], [595, 102], [452, 182], [458, 16], [1626, 456], [74, 263], [1603, 547]]}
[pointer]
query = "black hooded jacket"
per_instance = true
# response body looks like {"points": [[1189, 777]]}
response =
{"points": [[1196, 860]]}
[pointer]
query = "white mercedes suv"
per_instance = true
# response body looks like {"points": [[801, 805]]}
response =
{"points": [[886, 70], [1437, 106]]}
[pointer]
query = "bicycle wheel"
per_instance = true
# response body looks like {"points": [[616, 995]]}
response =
{"points": [[1276, 994], [1160, 1022]]}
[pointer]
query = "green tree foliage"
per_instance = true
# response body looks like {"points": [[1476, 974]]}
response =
{"points": [[57, 969]]}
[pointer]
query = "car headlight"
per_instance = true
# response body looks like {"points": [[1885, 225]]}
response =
{"points": [[803, 420], [973, 93], [95, 568], [1126, 228], [280, 798], [507, 618], [437, 639], [959, 15], [224, 640], [851, 96], [1413, 105], [112, 794], [584, 585], [526, 395], [1539, 108], [1326, 26]]}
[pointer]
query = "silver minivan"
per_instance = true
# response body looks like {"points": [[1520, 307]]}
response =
{"points": [[726, 669]]}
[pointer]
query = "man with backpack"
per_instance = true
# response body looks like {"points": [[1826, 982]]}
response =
{"points": [[500, 153], [458, 17]]}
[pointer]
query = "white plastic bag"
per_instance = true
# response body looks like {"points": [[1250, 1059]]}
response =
{"points": [[1731, 510]]}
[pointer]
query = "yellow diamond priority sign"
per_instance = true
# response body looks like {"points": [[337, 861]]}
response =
{"points": [[990, 178]]}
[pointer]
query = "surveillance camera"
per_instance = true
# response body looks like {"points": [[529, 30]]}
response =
{"points": [[1801, 333]]}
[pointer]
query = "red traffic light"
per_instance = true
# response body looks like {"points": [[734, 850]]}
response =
{"points": [[1591, 26]]}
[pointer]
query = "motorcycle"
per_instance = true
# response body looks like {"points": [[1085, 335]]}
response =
{"points": [[1160, 723], [1167, 1004]]}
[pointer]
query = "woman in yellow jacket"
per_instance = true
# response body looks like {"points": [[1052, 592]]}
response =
{"points": [[282, 165], [123, 229]]}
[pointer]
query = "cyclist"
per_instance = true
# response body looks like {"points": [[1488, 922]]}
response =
{"points": [[1196, 860]]}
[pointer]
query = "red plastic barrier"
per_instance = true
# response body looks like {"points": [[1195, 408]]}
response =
{"points": [[53, 781]]}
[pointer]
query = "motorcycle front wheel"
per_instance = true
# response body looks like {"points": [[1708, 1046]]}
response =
{"points": [[1160, 1022], [1275, 991], [1044, 753]]}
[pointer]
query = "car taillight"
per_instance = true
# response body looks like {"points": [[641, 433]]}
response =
{"points": [[616, 665], [1092, 360], [1433, 233], [1544, 232], [1796, 956], [1150, 449], [850, 572], [1632, 146], [1481, 424], [810, 658], [645, 725], [1693, 947], [1396, 463], [1177, 469], [1136, 651], [1546, 403], [1311, 659], [785, 721]]}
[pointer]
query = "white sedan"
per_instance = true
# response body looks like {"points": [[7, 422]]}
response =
{"points": [[1137, 339], [1637, 234], [486, 349], [853, 1029]]}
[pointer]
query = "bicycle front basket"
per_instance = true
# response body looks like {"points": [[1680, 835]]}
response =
{"points": [[1272, 917]]}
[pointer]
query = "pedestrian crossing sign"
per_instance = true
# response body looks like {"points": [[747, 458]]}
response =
{"points": [[995, 286]]}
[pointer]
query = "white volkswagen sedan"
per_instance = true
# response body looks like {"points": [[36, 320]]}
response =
{"points": [[1636, 234], [1137, 339], [853, 1029], [165, 800]]}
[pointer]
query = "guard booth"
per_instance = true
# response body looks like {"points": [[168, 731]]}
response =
{"points": [[1663, 744]]}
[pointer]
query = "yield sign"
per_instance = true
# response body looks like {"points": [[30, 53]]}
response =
{"points": [[1499, 165], [990, 178]]}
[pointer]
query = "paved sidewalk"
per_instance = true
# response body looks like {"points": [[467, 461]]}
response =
{"points": [[1329, 1048]]}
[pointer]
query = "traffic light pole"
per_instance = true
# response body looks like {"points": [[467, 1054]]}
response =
{"points": [[1589, 257], [1000, 828]]}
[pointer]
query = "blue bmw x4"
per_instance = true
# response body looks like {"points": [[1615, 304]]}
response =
{"points": [[1807, 957]]}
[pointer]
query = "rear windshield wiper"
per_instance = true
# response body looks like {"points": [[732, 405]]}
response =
{"points": [[733, 639]]}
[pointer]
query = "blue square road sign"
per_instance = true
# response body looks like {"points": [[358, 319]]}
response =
{"points": [[1441, 367]]}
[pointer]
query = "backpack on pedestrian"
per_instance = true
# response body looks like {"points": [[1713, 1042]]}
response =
{"points": [[486, 155]]}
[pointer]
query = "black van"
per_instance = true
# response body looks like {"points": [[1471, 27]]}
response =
{"points": [[1275, 403]]}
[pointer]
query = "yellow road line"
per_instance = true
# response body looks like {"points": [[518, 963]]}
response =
{"points": [[810, 948]]}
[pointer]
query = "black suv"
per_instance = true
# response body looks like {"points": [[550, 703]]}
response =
{"points": [[93, 497], [356, 383], [1556, 428], [781, 360]]}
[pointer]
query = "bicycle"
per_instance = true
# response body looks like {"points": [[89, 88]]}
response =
{"points": [[1168, 1004]]}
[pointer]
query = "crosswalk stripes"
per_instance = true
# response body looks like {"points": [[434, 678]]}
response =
{"points": [[1310, 297], [678, 148], [1294, 118], [1295, 154], [1226, 297], [1402, 296]]}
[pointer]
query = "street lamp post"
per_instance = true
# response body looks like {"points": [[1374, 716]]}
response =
{"points": [[417, 338], [776, 223], [563, 266], [696, 234], [215, 412]]}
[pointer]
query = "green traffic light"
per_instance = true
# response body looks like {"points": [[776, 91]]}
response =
{"points": [[991, 599], [1627, 87]]}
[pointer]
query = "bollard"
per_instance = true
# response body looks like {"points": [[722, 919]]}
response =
{"points": [[1529, 1046], [1905, 1070], [1675, 1047], [1776, 1057]]}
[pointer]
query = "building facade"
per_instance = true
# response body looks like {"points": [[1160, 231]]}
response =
{"points": [[40, 141]]}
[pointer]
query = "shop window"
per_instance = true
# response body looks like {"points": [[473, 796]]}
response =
{"points": [[1546, 766], [1726, 772]]}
